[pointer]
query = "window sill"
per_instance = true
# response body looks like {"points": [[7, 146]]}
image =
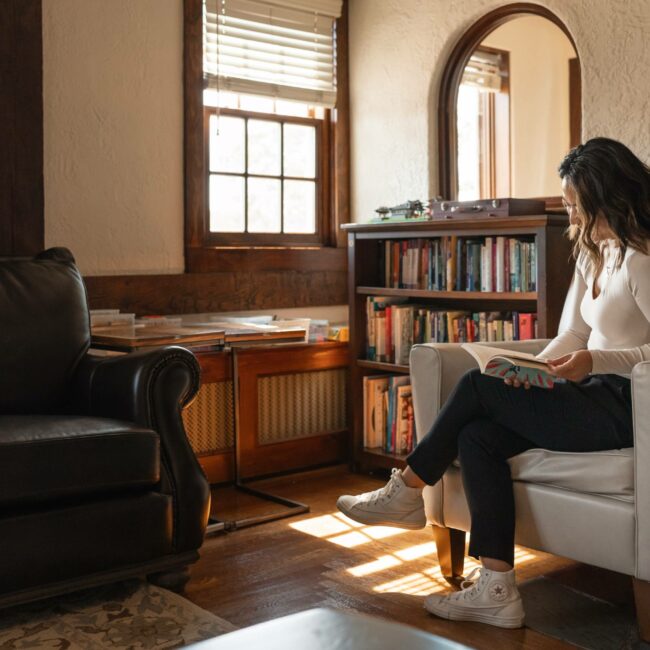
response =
{"points": [[207, 260]]}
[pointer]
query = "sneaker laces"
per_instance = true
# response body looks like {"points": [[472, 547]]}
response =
{"points": [[385, 492], [468, 586]]}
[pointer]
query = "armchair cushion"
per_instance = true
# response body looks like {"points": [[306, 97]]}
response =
{"points": [[604, 473], [49, 457], [607, 473]]}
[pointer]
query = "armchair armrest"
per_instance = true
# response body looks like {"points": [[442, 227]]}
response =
{"points": [[641, 418], [150, 388]]}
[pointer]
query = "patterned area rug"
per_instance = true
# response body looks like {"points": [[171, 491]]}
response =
{"points": [[133, 615]]}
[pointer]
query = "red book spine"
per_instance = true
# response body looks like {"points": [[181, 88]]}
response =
{"points": [[526, 327]]}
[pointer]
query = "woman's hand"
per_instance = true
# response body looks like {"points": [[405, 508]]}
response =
{"points": [[574, 367], [513, 380]]}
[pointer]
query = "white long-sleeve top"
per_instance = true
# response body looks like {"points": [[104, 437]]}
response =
{"points": [[615, 325]]}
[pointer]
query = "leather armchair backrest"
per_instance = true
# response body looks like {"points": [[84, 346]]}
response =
{"points": [[44, 330]]}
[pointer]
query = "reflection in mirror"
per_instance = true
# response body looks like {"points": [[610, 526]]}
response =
{"points": [[513, 111]]}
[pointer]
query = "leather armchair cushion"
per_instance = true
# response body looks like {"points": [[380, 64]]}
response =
{"points": [[607, 473], [48, 457]]}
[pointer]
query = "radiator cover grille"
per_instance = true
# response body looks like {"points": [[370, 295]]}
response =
{"points": [[290, 407], [210, 419], [301, 404]]}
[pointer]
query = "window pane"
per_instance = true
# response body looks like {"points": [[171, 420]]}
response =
{"points": [[227, 144], [227, 196], [299, 150], [263, 147], [264, 205], [299, 207]]}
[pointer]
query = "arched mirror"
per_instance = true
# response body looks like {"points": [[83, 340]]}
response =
{"points": [[509, 106]]}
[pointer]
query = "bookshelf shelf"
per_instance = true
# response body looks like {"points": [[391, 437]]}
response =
{"points": [[509, 296], [384, 367], [377, 457], [367, 265]]}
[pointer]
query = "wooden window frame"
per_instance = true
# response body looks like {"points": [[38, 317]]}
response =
{"points": [[321, 237], [204, 252]]}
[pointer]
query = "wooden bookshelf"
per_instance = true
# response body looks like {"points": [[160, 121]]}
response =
{"points": [[554, 270]]}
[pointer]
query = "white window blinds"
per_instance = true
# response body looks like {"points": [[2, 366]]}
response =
{"points": [[277, 48], [483, 70]]}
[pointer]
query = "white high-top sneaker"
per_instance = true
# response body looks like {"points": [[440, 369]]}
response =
{"points": [[395, 504], [492, 599]]}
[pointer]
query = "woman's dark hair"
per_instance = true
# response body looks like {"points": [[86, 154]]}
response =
{"points": [[609, 181]]}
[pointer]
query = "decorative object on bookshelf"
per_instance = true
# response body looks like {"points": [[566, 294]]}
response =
{"points": [[484, 208], [409, 211], [462, 280]]}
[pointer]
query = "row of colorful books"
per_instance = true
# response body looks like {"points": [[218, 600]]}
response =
{"points": [[460, 264], [388, 421], [393, 327]]}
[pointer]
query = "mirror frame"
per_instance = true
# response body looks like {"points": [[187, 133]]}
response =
{"points": [[451, 76]]}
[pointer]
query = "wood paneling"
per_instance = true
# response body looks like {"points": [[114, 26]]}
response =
{"points": [[195, 186], [226, 291], [203, 260], [21, 127]]}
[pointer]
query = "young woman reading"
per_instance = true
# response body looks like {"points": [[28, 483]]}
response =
{"points": [[606, 191]]}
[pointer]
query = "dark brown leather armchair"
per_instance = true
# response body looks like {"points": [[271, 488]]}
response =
{"points": [[97, 479]]}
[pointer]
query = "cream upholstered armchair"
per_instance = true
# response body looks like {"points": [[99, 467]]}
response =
{"points": [[591, 507]]}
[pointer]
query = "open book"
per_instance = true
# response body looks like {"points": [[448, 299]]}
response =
{"points": [[500, 363]]}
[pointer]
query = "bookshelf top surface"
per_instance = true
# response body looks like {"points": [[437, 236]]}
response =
{"points": [[487, 223]]}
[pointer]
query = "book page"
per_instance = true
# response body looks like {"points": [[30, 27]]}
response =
{"points": [[485, 353]]}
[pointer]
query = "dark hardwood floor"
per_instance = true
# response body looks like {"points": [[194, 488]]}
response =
{"points": [[321, 559]]}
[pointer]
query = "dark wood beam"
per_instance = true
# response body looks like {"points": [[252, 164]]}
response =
{"points": [[21, 127], [224, 291]]}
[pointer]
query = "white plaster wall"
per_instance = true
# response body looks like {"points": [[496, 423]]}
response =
{"points": [[398, 49], [539, 101], [113, 133]]}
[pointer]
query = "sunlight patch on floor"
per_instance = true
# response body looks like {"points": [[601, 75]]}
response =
{"points": [[414, 584], [350, 540], [343, 531], [417, 551], [321, 526], [420, 580], [380, 564]]}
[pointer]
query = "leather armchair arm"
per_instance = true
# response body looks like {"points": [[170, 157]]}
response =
{"points": [[150, 388], [641, 415], [435, 370]]}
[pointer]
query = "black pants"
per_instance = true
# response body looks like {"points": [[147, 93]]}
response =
{"points": [[484, 422]]}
